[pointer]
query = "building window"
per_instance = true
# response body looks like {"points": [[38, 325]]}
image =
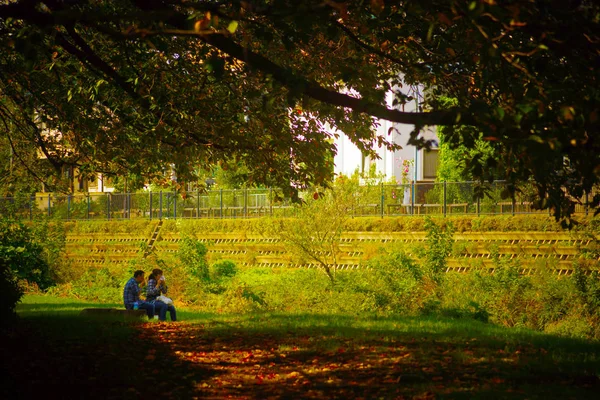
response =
{"points": [[430, 164]]}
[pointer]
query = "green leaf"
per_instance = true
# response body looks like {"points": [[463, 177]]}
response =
{"points": [[232, 27], [430, 31], [536, 138], [500, 112]]}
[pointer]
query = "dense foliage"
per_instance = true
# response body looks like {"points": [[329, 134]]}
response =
{"points": [[21, 260], [395, 279], [135, 87]]}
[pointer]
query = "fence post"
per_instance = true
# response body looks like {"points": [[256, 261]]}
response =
{"points": [[108, 206], [49, 205], [164, 205], [174, 205], [235, 203], [412, 199], [271, 200], [160, 205], [587, 200], [150, 205], [382, 198], [445, 203], [221, 201], [129, 205], [88, 206], [245, 202], [168, 205], [197, 203]]}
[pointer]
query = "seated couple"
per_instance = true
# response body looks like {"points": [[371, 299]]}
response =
{"points": [[156, 287]]}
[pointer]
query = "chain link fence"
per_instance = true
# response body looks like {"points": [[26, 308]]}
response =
{"points": [[439, 198]]}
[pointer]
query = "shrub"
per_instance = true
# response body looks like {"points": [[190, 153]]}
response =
{"points": [[20, 259], [222, 269], [505, 294], [575, 326], [240, 298], [98, 285], [192, 254], [588, 290], [10, 291], [393, 283], [439, 247], [23, 254]]}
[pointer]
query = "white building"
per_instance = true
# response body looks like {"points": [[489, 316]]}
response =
{"points": [[423, 163]]}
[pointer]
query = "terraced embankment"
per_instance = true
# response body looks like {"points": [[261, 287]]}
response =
{"points": [[117, 242]]}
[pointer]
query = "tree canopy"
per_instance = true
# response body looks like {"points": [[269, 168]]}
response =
{"points": [[138, 85]]}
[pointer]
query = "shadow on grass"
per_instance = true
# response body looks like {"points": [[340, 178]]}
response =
{"points": [[308, 356], [25, 309], [432, 328], [68, 356], [60, 354]]}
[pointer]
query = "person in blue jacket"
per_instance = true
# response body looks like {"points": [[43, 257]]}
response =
{"points": [[131, 294]]}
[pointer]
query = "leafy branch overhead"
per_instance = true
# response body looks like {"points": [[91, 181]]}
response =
{"points": [[138, 85]]}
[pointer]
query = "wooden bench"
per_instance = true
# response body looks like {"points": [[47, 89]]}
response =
{"points": [[115, 313]]}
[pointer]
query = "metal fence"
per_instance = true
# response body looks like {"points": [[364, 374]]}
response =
{"points": [[444, 198]]}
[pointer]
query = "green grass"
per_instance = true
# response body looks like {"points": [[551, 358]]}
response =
{"points": [[58, 318], [361, 328], [33, 304], [330, 356]]}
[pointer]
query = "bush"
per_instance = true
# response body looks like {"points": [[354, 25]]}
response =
{"points": [[588, 290], [575, 326], [222, 269], [20, 259], [439, 247], [24, 255], [99, 285], [192, 254], [283, 289], [392, 282], [10, 291]]}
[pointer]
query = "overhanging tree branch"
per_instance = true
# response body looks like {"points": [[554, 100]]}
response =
{"points": [[285, 76], [312, 89]]}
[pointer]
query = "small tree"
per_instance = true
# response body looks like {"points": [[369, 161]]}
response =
{"points": [[314, 235], [438, 248]]}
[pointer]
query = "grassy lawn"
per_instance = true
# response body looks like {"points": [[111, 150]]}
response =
{"points": [[55, 351]]}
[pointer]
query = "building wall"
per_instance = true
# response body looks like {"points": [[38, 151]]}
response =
{"points": [[349, 158]]}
